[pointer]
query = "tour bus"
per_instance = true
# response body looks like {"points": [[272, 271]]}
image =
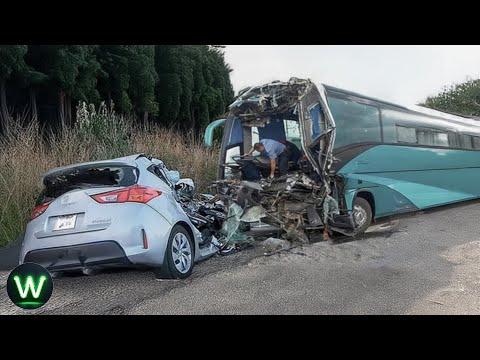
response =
{"points": [[393, 159]]}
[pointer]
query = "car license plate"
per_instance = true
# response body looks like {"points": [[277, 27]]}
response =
{"points": [[65, 222]]}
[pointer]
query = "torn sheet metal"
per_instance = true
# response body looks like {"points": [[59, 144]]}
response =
{"points": [[330, 208], [294, 204], [303, 200]]}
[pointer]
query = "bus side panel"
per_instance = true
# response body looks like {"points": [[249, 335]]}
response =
{"points": [[427, 177], [386, 201], [394, 158]]}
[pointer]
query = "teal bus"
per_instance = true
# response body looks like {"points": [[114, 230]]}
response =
{"points": [[393, 159]]}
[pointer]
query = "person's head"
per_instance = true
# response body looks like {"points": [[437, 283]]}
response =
{"points": [[259, 147]]}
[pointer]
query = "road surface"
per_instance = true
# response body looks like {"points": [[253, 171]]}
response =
{"points": [[428, 263]]}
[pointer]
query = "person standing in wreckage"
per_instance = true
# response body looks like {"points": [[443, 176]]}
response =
{"points": [[276, 152]]}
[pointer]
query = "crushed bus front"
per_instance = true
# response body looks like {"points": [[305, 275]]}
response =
{"points": [[310, 197]]}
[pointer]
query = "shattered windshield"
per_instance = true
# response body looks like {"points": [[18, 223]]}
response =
{"points": [[94, 175], [293, 113], [58, 183]]}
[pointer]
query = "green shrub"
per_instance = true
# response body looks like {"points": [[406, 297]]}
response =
{"points": [[107, 132]]}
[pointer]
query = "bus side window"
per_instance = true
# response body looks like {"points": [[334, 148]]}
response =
{"points": [[432, 138], [355, 122], [255, 136], [466, 141], [406, 135], [292, 132], [453, 140], [476, 142], [231, 153], [315, 115]]}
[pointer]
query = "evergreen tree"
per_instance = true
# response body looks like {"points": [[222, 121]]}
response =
{"points": [[462, 99], [11, 62], [185, 86]]}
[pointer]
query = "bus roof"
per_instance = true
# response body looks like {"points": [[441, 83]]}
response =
{"points": [[419, 110]]}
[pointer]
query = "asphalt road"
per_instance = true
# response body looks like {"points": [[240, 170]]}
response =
{"points": [[423, 264]]}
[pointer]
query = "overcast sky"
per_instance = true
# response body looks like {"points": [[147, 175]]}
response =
{"points": [[404, 74]]}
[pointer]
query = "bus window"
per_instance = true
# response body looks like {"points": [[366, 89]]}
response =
{"points": [[232, 152], [292, 132], [279, 130], [255, 136], [274, 130], [432, 138], [355, 122], [476, 142], [255, 139], [406, 135], [315, 114], [466, 141], [229, 159], [453, 140]]}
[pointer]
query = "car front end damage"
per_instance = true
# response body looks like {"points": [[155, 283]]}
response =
{"points": [[309, 198]]}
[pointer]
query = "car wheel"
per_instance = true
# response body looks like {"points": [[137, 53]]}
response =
{"points": [[362, 214], [179, 257]]}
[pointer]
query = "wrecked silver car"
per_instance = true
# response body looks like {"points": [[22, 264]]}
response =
{"points": [[303, 201], [130, 211]]}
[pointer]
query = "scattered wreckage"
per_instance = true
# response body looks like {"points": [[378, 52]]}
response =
{"points": [[301, 203], [293, 205], [133, 210], [297, 206]]}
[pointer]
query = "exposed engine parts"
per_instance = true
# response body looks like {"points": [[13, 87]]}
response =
{"points": [[297, 205], [293, 204], [305, 200]]}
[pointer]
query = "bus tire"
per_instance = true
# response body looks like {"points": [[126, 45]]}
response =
{"points": [[362, 214]]}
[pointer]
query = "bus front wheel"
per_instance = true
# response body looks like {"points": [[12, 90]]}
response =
{"points": [[362, 214]]}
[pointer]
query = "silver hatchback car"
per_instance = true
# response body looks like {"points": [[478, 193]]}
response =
{"points": [[124, 211]]}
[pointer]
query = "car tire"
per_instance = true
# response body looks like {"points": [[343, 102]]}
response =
{"points": [[179, 256], [362, 214]]}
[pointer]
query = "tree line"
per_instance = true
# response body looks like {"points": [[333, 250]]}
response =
{"points": [[185, 86], [461, 99]]}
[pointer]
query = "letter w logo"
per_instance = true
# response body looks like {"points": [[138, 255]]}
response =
{"points": [[29, 286]]}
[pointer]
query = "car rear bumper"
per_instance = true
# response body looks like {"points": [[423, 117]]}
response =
{"points": [[98, 254]]}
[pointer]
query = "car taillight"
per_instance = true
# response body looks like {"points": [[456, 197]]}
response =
{"points": [[136, 193], [39, 210]]}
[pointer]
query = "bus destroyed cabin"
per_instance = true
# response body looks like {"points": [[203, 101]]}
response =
{"points": [[301, 203], [361, 156]]}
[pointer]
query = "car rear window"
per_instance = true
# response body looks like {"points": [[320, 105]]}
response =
{"points": [[85, 177]]}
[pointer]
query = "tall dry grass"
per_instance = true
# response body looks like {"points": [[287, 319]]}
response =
{"points": [[184, 153], [25, 155]]}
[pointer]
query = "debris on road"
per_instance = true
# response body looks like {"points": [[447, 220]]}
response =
{"points": [[273, 244], [291, 204]]}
